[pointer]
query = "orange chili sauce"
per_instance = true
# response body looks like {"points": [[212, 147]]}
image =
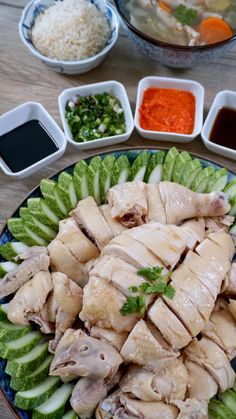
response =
{"points": [[167, 110]]}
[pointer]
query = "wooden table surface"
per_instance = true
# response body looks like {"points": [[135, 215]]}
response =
{"points": [[24, 78]]}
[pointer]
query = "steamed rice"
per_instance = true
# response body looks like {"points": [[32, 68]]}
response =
{"points": [[71, 30]]}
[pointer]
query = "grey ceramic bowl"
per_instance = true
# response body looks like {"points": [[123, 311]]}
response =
{"points": [[168, 54]]}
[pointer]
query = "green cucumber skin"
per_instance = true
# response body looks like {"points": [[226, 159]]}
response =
{"points": [[25, 403], [6, 267], [37, 207], [202, 178], [230, 189], [16, 227], [169, 163], [179, 164], [93, 175], [32, 223], [31, 380], [3, 312], [56, 413], [80, 179], [105, 176], [60, 197], [155, 159], [121, 164], [14, 367], [65, 182], [189, 167], [233, 206], [7, 252], [70, 415], [217, 409], [47, 190], [7, 335], [214, 178], [140, 162], [229, 400], [7, 352]]}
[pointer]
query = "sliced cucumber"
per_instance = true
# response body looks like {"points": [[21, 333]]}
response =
{"points": [[43, 231], [37, 395], [169, 164], [6, 267], [218, 181], [31, 380], [233, 229], [61, 201], [54, 407], [120, 171], [155, 167], [70, 415], [39, 208], [11, 249], [201, 181], [229, 399], [66, 184], [18, 347], [9, 331], [93, 176], [47, 188], [233, 206], [219, 410], [105, 176], [230, 189], [3, 311], [17, 229], [190, 171], [181, 159], [139, 166], [80, 180], [27, 363]]}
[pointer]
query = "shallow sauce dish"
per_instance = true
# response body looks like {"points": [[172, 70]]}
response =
{"points": [[6, 236], [176, 56], [36, 7]]}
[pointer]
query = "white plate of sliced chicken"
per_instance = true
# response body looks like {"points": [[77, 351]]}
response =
{"points": [[119, 292]]}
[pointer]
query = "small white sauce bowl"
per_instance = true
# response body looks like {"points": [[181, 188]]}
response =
{"points": [[112, 87], [35, 7], [170, 83], [226, 98], [29, 111]]}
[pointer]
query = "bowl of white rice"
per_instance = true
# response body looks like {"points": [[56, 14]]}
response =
{"points": [[70, 36]]}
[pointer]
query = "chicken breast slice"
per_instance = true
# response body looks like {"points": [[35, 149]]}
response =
{"points": [[186, 311], [214, 254], [181, 203], [62, 260], [232, 308], [156, 211], [101, 307], [35, 259], [184, 280], [175, 236], [225, 242], [209, 355], [78, 244], [86, 357], [113, 338], [114, 225], [229, 284], [128, 203], [201, 385], [192, 409], [145, 346], [132, 252], [171, 328], [221, 328], [91, 221], [30, 298], [196, 228]]}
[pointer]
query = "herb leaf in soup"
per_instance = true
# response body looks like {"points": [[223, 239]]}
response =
{"points": [[185, 15]]}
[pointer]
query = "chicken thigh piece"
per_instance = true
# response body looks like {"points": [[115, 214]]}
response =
{"points": [[171, 328], [156, 211], [128, 203], [181, 203], [232, 308], [29, 300], [62, 260], [86, 395], [201, 385], [91, 221], [79, 245], [35, 259], [221, 328], [145, 346], [101, 307], [86, 357], [209, 355], [192, 409], [114, 225]]}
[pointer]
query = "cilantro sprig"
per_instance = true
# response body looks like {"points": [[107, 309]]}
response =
{"points": [[156, 284], [185, 15]]}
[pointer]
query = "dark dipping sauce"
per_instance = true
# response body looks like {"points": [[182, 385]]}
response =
{"points": [[26, 145], [224, 128]]}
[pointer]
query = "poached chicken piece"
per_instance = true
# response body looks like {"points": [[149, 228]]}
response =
{"points": [[35, 259], [201, 385]]}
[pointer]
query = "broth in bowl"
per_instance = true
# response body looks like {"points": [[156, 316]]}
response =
{"points": [[184, 22]]}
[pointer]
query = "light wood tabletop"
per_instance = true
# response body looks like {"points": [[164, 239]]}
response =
{"points": [[24, 78]]}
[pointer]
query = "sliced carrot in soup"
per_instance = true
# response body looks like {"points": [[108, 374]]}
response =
{"points": [[164, 6], [214, 29]]}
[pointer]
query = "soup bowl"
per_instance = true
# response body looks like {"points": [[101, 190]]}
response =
{"points": [[172, 55]]}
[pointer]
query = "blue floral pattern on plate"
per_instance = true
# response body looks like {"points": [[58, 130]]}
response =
{"points": [[6, 236]]}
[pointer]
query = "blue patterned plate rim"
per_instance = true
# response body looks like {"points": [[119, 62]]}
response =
{"points": [[6, 392]]}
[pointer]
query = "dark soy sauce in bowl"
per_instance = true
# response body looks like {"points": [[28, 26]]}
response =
{"points": [[26, 145], [224, 128]]}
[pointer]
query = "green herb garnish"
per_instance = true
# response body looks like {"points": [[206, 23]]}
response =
{"points": [[157, 283], [185, 15]]}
